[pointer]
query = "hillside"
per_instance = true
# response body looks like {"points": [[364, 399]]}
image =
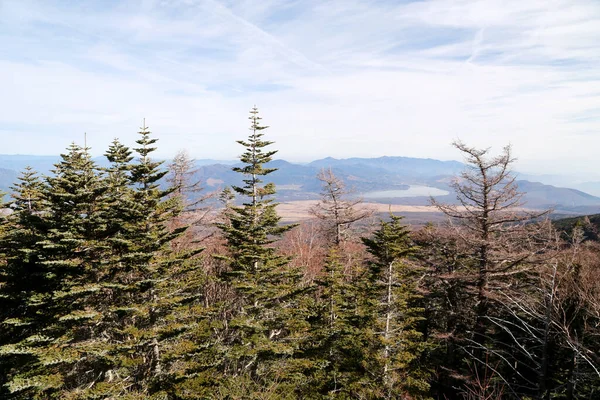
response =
{"points": [[589, 223], [424, 168], [539, 195]]}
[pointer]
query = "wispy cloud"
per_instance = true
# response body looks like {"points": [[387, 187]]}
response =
{"points": [[340, 78]]}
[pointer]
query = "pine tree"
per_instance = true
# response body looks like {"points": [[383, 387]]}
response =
{"points": [[262, 323], [139, 282], [120, 216], [397, 343]]}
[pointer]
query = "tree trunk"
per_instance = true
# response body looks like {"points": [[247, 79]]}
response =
{"points": [[386, 334]]}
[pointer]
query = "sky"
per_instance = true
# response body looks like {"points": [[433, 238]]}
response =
{"points": [[343, 78]]}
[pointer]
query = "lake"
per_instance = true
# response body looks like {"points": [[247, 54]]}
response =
{"points": [[412, 191]]}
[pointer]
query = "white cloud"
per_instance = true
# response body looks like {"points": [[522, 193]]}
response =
{"points": [[341, 78]]}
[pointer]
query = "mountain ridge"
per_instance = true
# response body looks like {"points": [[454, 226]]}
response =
{"points": [[386, 173]]}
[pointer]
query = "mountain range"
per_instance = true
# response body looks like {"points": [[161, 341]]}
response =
{"points": [[390, 180]]}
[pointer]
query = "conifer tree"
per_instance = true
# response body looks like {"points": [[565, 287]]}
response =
{"points": [[120, 159], [71, 255], [181, 177], [498, 245], [108, 301], [338, 340], [121, 205], [166, 330], [195, 213], [22, 276], [397, 343], [262, 324], [139, 282]]}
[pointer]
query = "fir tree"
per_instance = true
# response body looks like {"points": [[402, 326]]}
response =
{"points": [[107, 302], [22, 276], [262, 326], [168, 331], [70, 257], [397, 343], [338, 336]]}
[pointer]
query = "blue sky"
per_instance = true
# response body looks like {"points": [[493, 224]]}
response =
{"points": [[332, 78]]}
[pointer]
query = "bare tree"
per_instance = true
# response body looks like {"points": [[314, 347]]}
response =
{"points": [[338, 209], [497, 235], [576, 315], [305, 247], [181, 177], [187, 189]]}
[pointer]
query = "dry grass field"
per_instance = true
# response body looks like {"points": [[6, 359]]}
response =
{"points": [[294, 211]]}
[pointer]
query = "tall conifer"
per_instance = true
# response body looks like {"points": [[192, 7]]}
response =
{"points": [[397, 343], [23, 280], [336, 346], [262, 325], [71, 259], [168, 283]]}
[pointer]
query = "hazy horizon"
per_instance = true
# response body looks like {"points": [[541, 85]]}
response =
{"points": [[557, 179]]}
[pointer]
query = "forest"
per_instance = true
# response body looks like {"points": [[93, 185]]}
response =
{"points": [[130, 282]]}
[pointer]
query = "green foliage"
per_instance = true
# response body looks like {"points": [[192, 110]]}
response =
{"points": [[398, 341], [102, 298], [23, 281], [92, 318], [261, 320], [338, 341], [64, 243]]}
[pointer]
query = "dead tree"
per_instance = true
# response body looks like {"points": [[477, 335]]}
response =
{"points": [[187, 190], [498, 238], [181, 178], [338, 209]]}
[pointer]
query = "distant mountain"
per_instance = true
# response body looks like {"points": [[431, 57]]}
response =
{"points": [[589, 187], [209, 161], [365, 175], [545, 196], [42, 164], [407, 166]]}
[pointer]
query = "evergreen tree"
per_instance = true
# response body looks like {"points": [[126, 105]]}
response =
{"points": [[22, 276], [398, 342], [139, 282], [120, 216], [262, 323], [70, 257], [167, 331], [338, 340], [108, 301]]}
